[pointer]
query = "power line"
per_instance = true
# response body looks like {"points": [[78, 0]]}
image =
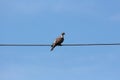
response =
{"points": [[100, 44], [25, 44]]}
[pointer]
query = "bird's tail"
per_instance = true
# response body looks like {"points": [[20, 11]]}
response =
{"points": [[52, 47]]}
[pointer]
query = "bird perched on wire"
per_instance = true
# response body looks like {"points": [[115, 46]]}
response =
{"points": [[58, 41]]}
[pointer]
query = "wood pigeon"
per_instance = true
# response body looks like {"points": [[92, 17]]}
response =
{"points": [[58, 41]]}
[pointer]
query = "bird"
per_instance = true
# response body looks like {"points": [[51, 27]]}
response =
{"points": [[58, 41]]}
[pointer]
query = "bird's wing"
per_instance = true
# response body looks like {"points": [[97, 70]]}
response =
{"points": [[58, 40]]}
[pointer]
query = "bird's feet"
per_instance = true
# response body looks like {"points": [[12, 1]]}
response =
{"points": [[51, 45], [60, 45]]}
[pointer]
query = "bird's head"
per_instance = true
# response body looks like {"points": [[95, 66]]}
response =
{"points": [[63, 33]]}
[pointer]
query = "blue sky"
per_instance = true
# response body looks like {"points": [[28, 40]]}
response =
{"points": [[41, 21]]}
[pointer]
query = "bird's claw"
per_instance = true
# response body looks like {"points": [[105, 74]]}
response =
{"points": [[60, 45]]}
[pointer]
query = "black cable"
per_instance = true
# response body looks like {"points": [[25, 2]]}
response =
{"points": [[25, 45], [100, 44]]}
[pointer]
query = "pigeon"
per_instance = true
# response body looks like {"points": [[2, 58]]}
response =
{"points": [[58, 41]]}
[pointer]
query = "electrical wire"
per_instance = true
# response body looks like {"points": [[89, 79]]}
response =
{"points": [[95, 44]]}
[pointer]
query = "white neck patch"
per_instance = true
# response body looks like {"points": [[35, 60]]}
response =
{"points": [[62, 36]]}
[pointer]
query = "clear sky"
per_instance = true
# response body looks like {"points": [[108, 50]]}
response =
{"points": [[41, 21]]}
